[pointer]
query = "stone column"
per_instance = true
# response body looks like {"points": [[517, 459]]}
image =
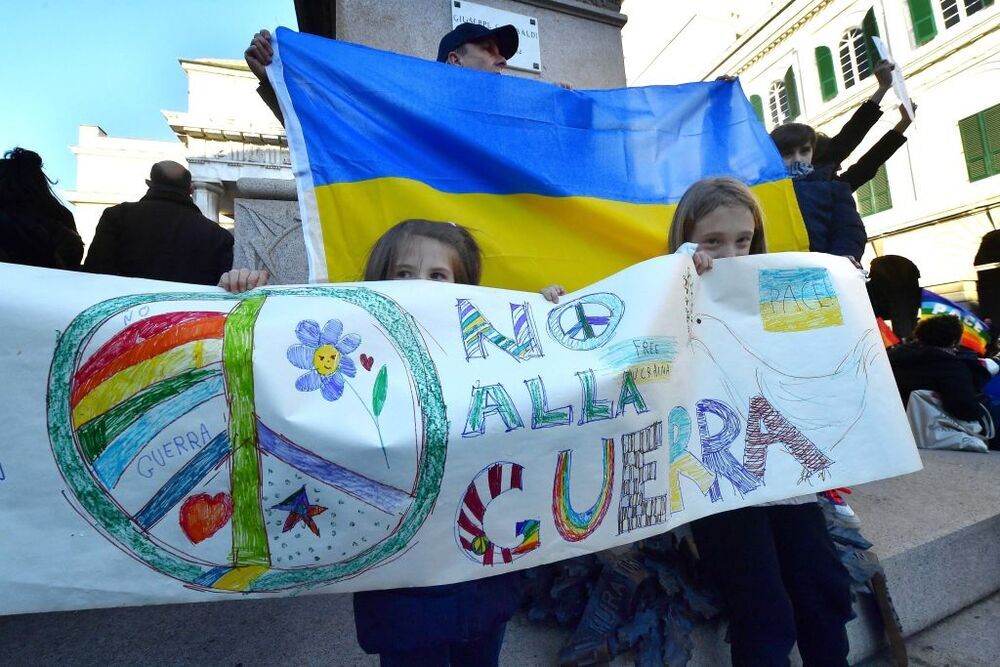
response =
{"points": [[206, 197]]}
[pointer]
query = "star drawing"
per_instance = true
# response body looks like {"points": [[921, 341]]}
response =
{"points": [[298, 508]]}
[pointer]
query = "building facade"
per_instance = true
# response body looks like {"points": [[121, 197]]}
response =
{"points": [[805, 61], [227, 133]]}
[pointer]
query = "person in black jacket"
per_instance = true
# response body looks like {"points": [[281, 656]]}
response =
{"points": [[828, 209], [35, 228], [163, 236], [932, 363], [868, 164], [832, 151], [894, 290]]}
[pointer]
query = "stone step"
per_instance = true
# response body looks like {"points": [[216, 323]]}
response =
{"points": [[936, 531], [969, 638]]}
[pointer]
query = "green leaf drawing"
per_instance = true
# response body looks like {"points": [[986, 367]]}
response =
{"points": [[378, 391]]}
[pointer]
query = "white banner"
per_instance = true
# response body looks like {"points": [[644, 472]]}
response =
{"points": [[171, 443]]}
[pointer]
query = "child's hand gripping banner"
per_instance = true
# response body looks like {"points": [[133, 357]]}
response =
{"points": [[169, 443], [557, 185]]}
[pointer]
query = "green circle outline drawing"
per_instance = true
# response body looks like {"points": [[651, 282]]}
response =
{"points": [[120, 527]]}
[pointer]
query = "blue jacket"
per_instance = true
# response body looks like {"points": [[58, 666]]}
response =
{"points": [[404, 619], [830, 214]]}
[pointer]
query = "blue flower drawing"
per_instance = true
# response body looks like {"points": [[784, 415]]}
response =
{"points": [[324, 355]]}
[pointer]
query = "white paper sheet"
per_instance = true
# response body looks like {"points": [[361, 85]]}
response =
{"points": [[172, 443]]}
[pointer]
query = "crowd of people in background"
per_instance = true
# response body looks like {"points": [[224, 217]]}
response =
{"points": [[775, 565]]}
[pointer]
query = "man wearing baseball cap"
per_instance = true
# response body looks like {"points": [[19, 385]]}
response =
{"points": [[477, 47], [468, 45]]}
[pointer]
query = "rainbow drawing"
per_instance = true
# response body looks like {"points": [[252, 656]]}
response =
{"points": [[111, 403], [527, 530], [140, 381], [572, 525]]}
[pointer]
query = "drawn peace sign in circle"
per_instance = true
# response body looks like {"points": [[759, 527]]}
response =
{"points": [[157, 425]]}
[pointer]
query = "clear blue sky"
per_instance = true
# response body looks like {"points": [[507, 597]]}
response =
{"points": [[111, 63]]}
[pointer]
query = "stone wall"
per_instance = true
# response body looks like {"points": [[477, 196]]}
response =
{"points": [[268, 230], [580, 41]]}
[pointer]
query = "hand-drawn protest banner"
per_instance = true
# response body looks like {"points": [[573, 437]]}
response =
{"points": [[171, 443]]}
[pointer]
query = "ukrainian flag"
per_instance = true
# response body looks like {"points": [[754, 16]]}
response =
{"points": [[557, 185]]}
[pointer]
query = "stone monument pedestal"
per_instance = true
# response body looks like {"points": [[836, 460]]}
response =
{"points": [[268, 230]]}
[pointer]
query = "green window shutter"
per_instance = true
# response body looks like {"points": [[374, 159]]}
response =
{"points": [[987, 3], [874, 196], [972, 144], [869, 26], [827, 77], [758, 106], [881, 197], [792, 90], [866, 199], [922, 16], [991, 134]]}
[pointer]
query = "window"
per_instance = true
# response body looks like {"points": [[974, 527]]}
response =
{"points": [[777, 98], [981, 143], [792, 89], [922, 17], [758, 106], [783, 99], [874, 196], [854, 61], [827, 76], [954, 11]]}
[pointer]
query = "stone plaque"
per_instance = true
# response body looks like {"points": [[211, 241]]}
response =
{"points": [[528, 56]]}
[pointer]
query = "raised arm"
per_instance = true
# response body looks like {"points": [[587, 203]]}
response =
{"points": [[853, 133], [259, 55], [867, 165]]}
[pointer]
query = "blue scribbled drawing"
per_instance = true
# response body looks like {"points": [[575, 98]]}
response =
{"points": [[798, 300], [324, 355], [590, 321], [114, 460], [641, 350]]}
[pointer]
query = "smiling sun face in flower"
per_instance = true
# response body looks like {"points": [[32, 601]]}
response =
{"points": [[326, 359], [324, 355]]}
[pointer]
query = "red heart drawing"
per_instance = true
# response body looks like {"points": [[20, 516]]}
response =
{"points": [[203, 515], [367, 361]]}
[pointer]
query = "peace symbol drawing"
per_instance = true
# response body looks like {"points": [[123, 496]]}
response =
{"points": [[194, 432]]}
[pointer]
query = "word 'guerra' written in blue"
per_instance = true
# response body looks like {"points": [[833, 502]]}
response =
{"points": [[177, 446]]}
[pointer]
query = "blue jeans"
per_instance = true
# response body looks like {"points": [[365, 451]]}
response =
{"points": [[482, 651]]}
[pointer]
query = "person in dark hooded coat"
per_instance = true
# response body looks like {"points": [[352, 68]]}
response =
{"points": [[931, 363]]}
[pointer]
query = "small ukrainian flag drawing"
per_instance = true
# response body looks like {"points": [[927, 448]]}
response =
{"points": [[798, 300]]}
